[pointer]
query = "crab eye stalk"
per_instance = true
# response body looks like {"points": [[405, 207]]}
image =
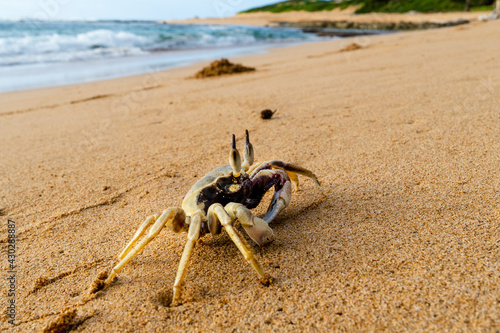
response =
{"points": [[234, 159], [248, 161]]}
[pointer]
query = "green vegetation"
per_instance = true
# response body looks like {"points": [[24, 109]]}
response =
{"points": [[482, 8], [423, 6], [291, 5], [368, 6]]}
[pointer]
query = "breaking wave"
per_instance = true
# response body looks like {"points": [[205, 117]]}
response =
{"points": [[21, 43]]}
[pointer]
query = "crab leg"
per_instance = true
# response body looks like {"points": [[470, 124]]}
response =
{"points": [[294, 178], [288, 167], [280, 201], [174, 218], [138, 234], [193, 235], [262, 182], [216, 211]]}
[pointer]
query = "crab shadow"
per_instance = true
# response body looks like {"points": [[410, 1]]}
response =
{"points": [[290, 215], [344, 230], [358, 220]]}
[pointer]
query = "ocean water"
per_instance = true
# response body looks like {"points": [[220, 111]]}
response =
{"points": [[46, 53]]}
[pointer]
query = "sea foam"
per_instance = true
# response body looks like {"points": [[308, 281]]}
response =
{"points": [[49, 42]]}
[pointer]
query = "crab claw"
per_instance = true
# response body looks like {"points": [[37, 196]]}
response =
{"points": [[260, 232], [255, 227]]}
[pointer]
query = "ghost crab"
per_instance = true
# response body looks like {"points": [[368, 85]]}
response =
{"points": [[216, 201]]}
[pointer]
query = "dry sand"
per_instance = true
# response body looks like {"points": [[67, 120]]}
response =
{"points": [[272, 19], [404, 135]]}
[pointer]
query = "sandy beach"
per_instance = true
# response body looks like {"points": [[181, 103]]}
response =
{"points": [[403, 133], [274, 19]]}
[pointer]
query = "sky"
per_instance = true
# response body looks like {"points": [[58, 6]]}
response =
{"points": [[123, 9]]}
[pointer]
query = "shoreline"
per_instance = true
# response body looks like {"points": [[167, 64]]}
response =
{"points": [[402, 132], [39, 76], [343, 24], [99, 50], [374, 26]]}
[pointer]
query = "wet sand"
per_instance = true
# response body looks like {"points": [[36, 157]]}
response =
{"points": [[403, 133]]}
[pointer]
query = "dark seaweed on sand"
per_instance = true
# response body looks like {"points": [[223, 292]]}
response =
{"points": [[222, 67]]}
